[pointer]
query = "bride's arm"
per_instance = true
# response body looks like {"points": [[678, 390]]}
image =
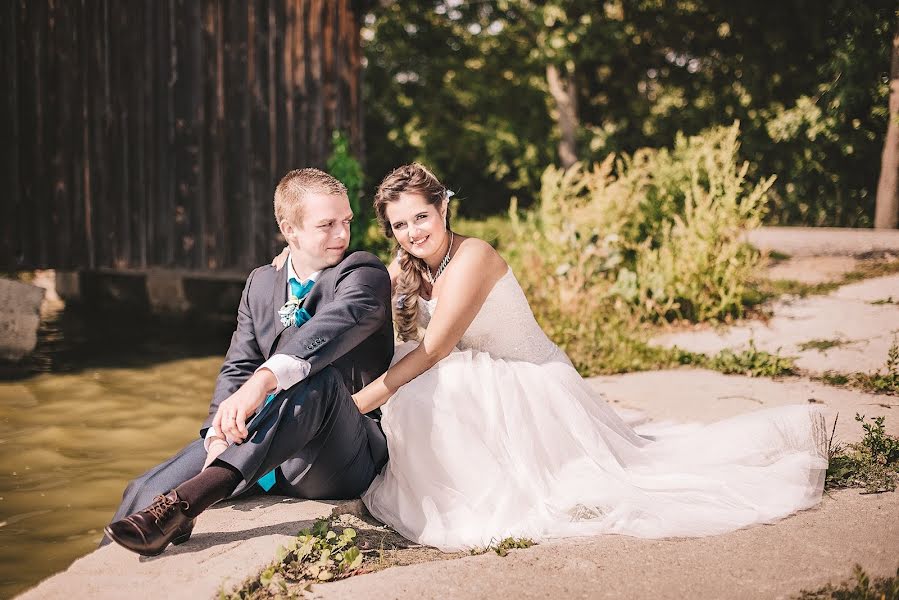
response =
{"points": [[474, 270]]}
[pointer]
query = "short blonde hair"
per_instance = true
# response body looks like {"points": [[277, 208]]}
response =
{"points": [[294, 186]]}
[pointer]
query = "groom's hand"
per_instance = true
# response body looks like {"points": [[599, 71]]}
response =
{"points": [[231, 417]]}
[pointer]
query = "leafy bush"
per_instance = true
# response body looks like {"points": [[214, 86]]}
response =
{"points": [[660, 231], [636, 240]]}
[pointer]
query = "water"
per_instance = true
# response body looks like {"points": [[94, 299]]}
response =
{"points": [[103, 399]]}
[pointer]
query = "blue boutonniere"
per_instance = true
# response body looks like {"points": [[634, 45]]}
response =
{"points": [[292, 313]]}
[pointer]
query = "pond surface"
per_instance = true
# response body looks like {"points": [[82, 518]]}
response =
{"points": [[104, 398]]}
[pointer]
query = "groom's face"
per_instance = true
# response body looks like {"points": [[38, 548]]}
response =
{"points": [[322, 238]]}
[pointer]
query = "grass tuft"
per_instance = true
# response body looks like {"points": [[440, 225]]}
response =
{"points": [[752, 362], [860, 587], [822, 345]]}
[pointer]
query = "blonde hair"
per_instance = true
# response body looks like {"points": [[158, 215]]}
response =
{"points": [[294, 186], [413, 179]]}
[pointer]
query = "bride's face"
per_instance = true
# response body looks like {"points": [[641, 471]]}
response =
{"points": [[418, 225]]}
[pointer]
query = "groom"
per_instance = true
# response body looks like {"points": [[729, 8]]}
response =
{"points": [[282, 417]]}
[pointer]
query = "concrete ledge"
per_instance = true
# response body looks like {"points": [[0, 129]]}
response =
{"points": [[229, 544], [235, 541]]}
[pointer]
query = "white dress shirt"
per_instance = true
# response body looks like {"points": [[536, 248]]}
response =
{"points": [[287, 368]]}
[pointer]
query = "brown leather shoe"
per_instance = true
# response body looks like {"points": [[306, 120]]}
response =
{"points": [[150, 530]]}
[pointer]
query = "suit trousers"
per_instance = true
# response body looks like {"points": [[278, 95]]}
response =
{"points": [[313, 432]]}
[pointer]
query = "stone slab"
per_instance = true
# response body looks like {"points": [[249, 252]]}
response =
{"points": [[20, 317], [858, 315], [812, 269], [825, 241]]}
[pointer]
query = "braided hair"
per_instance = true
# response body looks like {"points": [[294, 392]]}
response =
{"points": [[412, 179]]}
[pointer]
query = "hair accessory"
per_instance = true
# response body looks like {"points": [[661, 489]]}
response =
{"points": [[400, 301], [449, 193]]}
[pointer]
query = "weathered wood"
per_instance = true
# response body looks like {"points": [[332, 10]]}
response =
{"points": [[9, 153], [141, 134]]}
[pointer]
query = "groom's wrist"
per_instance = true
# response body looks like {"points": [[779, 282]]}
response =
{"points": [[266, 380]]}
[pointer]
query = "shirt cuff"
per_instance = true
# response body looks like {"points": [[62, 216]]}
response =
{"points": [[288, 370], [211, 433]]}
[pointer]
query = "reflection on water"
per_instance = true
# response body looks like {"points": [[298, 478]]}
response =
{"points": [[103, 399]]}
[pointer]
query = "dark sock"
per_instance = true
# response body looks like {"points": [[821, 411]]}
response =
{"points": [[214, 484]]}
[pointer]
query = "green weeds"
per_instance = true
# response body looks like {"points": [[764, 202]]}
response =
{"points": [[822, 345], [883, 381], [766, 289], [860, 587], [317, 554], [503, 546], [872, 463], [752, 362]]}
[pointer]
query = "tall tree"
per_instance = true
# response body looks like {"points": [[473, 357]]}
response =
{"points": [[886, 213]]}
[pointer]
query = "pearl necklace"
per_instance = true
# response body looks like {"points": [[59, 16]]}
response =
{"points": [[431, 277]]}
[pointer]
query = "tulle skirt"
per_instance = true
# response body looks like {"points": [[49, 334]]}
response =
{"points": [[482, 449]]}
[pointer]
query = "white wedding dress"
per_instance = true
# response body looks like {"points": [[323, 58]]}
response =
{"points": [[504, 438]]}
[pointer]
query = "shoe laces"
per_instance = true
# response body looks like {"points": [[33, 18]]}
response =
{"points": [[164, 504]]}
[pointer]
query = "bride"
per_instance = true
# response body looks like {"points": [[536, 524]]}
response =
{"points": [[492, 433]]}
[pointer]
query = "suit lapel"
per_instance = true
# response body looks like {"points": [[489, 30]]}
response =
{"points": [[279, 297]]}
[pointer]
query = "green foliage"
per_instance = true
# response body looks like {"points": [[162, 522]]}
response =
{"points": [[503, 546], [317, 554], [463, 87], [833, 378], [752, 362], [883, 381], [345, 168], [872, 463], [859, 588], [886, 379]]}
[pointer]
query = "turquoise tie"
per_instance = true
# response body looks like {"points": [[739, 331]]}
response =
{"points": [[300, 290]]}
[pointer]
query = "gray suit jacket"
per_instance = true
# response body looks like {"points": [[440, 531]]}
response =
{"points": [[351, 326]]}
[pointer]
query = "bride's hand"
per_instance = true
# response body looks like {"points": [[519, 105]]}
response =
{"points": [[279, 260]]}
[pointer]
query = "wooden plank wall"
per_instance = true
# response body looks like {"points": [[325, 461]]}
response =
{"points": [[143, 133]]}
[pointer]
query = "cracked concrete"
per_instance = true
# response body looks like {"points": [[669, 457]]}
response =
{"points": [[857, 316]]}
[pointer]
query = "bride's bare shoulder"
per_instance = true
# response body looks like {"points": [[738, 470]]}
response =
{"points": [[478, 252]]}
